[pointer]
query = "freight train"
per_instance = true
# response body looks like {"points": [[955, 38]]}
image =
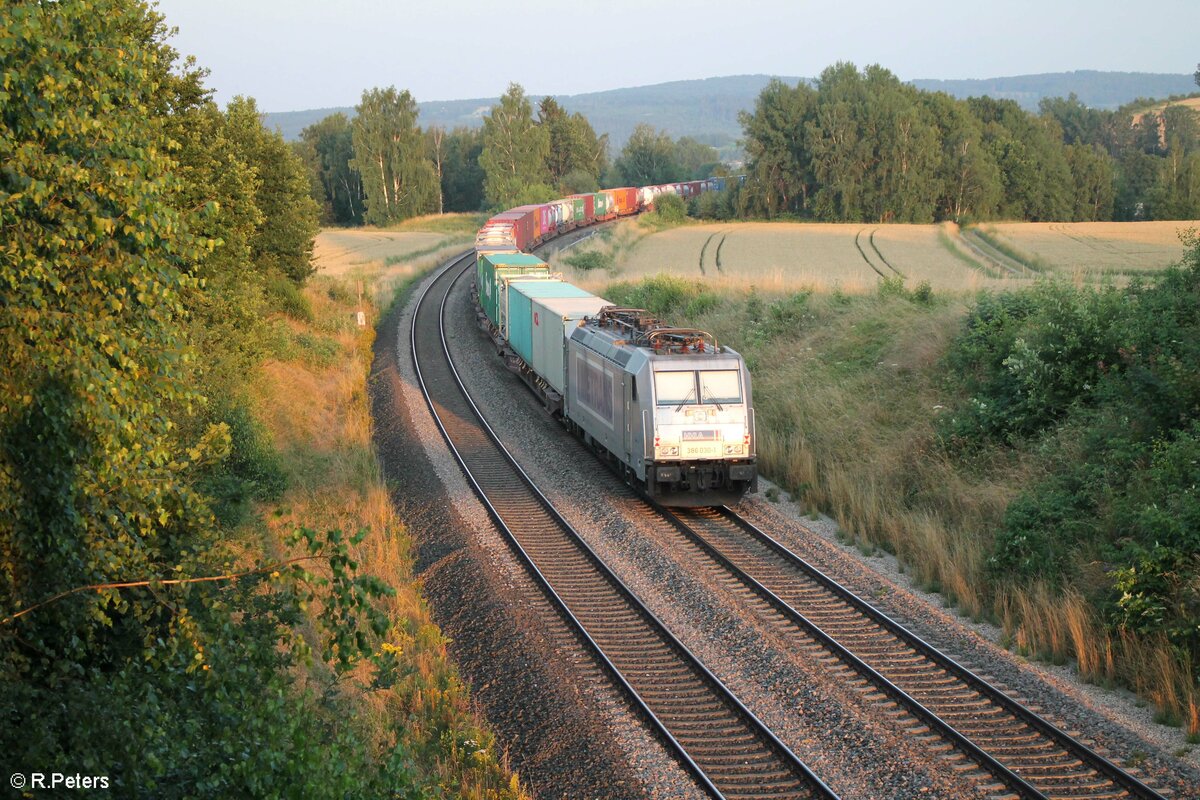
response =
{"points": [[669, 408]]}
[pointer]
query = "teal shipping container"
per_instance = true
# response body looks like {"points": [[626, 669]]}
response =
{"points": [[492, 273], [523, 317]]}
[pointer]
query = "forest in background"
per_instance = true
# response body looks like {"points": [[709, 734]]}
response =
{"points": [[708, 108], [853, 145]]}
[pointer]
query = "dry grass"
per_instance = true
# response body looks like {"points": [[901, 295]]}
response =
{"points": [[380, 261], [319, 418]]}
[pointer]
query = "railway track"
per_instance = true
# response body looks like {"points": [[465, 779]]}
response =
{"points": [[731, 753], [942, 702]]}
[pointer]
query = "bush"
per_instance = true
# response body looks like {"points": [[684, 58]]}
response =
{"points": [[1028, 357], [1106, 384], [669, 210], [663, 295], [251, 471], [284, 295], [590, 260]]}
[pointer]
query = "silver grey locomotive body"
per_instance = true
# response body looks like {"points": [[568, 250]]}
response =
{"points": [[669, 406]]}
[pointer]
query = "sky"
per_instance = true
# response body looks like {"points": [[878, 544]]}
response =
{"points": [[292, 55]]}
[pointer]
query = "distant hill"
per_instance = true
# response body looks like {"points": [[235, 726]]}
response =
{"points": [[707, 109], [1103, 90]]}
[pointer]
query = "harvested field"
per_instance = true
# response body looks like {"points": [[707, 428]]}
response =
{"points": [[383, 259], [782, 257], [338, 250], [1092, 250], [853, 258]]}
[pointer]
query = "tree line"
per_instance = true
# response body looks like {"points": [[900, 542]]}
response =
{"points": [[382, 167], [149, 237], [861, 146]]}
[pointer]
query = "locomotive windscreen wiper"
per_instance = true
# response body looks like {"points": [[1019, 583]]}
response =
{"points": [[686, 398], [707, 395]]}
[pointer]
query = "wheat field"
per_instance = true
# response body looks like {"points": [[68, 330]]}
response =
{"points": [[339, 250], [854, 257], [1096, 249]]}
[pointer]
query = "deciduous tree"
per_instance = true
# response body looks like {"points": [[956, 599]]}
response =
{"points": [[649, 157], [332, 143], [390, 154], [515, 150]]}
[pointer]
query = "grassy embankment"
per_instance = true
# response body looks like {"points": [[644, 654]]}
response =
{"points": [[852, 394], [312, 398]]}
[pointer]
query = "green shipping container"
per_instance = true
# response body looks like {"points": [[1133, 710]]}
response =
{"points": [[520, 310], [580, 209], [603, 205], [492, 272]]}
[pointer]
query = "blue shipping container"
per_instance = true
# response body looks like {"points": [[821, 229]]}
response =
{"points": [[520, 310]]}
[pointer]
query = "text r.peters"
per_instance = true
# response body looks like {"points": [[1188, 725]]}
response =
{"points": [[57, 780]]}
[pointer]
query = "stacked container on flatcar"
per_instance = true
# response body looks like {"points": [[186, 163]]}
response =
{"points": [[585, 207], [494, 273], [540, 317]]}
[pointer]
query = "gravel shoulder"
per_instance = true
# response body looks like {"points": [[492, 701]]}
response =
{"points": [[566, 731]]}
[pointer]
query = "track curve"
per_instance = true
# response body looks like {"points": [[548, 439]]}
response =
{"points": [[731, 753]]}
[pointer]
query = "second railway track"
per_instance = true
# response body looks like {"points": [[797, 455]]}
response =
{"points": [[1026, 755], [1006, 748], [731, 753]]}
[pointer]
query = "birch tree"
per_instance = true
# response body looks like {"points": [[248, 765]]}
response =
{"points": [[390, 155], [514, 154]]}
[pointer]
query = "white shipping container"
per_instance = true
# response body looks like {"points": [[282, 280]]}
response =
{"points": [[553, 320]]}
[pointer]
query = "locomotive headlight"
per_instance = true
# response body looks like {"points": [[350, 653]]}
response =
{"points": [[734, 449], [666, 450]]}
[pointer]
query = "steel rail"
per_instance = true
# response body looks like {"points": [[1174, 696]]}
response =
{"points": [[737, 781]]}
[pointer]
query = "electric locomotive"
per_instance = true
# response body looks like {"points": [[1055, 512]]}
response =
{"points": [[668, 407]]}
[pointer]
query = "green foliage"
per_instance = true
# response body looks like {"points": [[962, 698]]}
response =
{"points": [[1106, 383], [140, 225], [515, 153], [1026, 358], [592, 259], [723, 205], [283, 242], [862, 146], [462, 176], [669, 210], [650, 157], [250, 470], [576, 152], [390, 154], [288, 298], [329, 151], [663, 296]]}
